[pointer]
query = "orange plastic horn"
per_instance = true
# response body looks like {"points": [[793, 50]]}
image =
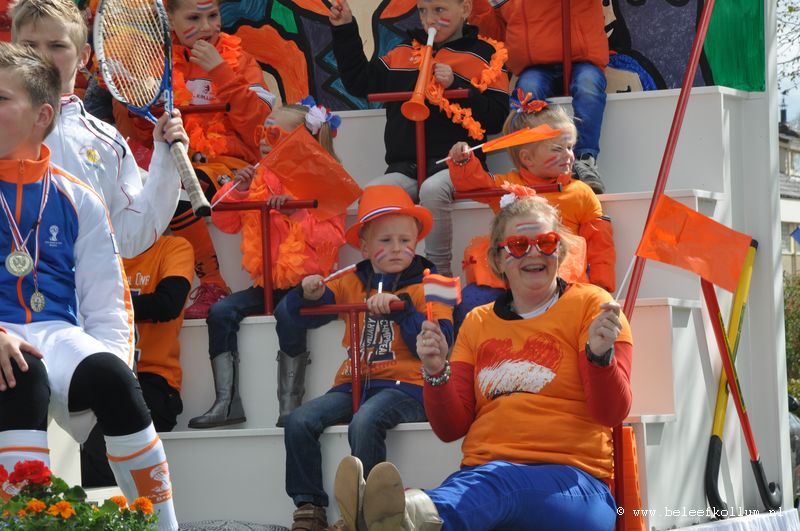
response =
{"points": [[415, 108]]}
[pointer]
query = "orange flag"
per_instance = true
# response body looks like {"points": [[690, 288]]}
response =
{"points": [[522, 136], [679, 236], [307, 171]]}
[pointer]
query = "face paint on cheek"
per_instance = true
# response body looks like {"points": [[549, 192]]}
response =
{"points": [[409, 251], [205, 5], [551, 161], [190, 32], [380, 256], [218, 26], [443, 22]]}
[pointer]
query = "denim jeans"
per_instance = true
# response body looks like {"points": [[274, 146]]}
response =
{"points": [[383, 409], [435, 194], [508, 496], [588, 89], [224, 318]]}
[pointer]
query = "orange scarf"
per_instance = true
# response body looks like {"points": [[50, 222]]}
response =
{"points": [[207, 134], [458, 114]]}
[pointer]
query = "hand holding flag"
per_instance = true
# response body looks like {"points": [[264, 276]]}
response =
{"points": [[517, 138]]}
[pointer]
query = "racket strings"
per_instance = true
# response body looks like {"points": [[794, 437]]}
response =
{"points": [[134, 49]]}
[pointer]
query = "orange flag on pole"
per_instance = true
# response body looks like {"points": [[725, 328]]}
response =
{"points": [[307, 171], [679, 236]]}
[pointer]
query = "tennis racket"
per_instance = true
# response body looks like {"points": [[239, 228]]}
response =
{"points": [[134, 53]]}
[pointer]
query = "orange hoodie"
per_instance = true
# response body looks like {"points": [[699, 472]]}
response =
{"points": [[531, 30]]}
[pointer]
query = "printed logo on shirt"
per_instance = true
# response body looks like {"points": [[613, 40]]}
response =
{"points": [[90, 156], [377, 340], [53, 240], [503, 370], [153, 482], [201, 91]]}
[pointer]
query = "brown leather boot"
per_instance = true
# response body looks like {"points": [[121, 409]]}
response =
{"points": [[310, 517]]}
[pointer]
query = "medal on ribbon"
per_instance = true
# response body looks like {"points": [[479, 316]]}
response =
{"points": [[19, 261]]}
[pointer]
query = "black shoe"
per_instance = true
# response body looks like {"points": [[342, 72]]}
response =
{"points": [[585, 169]]}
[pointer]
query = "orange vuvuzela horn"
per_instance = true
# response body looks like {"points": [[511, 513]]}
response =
{"points": [[415, 108]]}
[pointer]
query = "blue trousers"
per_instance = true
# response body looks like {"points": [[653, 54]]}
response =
{"points": [[588, 90], [505, 496], [383, 409], [224, 318]]}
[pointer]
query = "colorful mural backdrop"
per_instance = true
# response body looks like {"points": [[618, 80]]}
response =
{"points": [[650, 41]]}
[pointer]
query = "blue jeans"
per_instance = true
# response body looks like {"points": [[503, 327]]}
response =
{"points": [[506, 496], [224, 318], [383, 409], [588, 89]]}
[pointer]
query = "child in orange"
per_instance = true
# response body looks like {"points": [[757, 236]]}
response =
{"points": [[546, 162], [387, 230], [301, 245], [210, 67], [532, 31]]}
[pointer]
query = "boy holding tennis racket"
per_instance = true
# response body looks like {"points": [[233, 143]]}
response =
{"points": [[91, 149], [66, 322]]}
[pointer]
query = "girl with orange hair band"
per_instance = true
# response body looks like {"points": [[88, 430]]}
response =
{"points": [[301, 244]]}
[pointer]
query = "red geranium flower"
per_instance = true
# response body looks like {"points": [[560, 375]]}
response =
{"points": [[35, 472], [3, 474]]}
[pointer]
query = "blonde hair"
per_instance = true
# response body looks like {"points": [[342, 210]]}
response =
{"points": [[553, 115], [39, 77], [324, 136], [523, 206], [24, 12]]}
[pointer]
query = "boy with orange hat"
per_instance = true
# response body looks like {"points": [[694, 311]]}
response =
{"points": [[387, 230]]}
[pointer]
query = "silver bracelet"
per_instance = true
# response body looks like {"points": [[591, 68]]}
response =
{"points": [[436, 381]]}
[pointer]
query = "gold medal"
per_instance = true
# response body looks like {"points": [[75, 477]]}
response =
{"points": [[19, 263], [37, 301]]}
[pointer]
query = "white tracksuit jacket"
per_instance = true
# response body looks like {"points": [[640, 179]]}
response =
{"points": [[95, 152]]}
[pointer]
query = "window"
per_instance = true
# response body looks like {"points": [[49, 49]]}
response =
{"points": [[795, 164], [787, 242]]}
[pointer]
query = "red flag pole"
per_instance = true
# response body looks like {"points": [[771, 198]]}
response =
{"points": [[264, 209], [658, 190], [352, 309]]}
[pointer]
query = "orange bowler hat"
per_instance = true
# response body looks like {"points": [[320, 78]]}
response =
{"points": [[384, 200]]}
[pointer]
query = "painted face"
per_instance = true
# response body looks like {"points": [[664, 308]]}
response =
{"points": [[389, 242], [277, 126], [18, 120], [195, 20], [550, 158], [50, 37], [534, 272], [447, 16]]}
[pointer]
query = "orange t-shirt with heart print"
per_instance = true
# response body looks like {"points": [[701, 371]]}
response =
{"points": [[530, 404]]}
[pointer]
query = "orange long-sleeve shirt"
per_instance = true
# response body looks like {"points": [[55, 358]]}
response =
{"points": [[580, 211]]}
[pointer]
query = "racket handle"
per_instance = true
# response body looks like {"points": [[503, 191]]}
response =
{"points": [[200, 205]]}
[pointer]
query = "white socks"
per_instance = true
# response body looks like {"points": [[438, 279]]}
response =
{"points": [[21, 445], [140, 468]]}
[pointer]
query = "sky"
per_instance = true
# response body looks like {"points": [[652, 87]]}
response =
{"points": [[793, 105]]}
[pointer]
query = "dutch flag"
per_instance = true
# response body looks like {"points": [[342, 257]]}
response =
{"points": [[440, 288]]}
